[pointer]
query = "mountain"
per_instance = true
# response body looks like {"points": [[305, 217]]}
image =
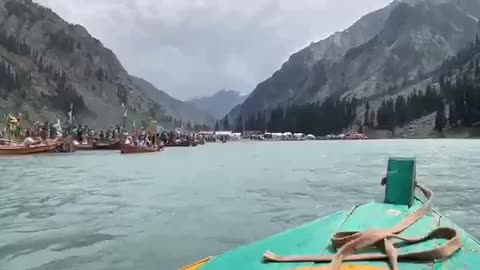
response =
{"points": [[220, 103], [47, 64], [391, 47], [171, 106]]}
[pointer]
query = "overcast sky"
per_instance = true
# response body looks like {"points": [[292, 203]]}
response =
{"points": [[196, 47]]}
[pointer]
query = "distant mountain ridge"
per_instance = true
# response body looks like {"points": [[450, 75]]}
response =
{"points": [[47, 64], [387, 48], [172, 106], [220, 103]]}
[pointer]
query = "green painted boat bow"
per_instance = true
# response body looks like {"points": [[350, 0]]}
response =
{"points": [[315, 238]]}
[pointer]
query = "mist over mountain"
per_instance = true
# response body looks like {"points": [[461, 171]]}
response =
{"points": [[172, 106], [220, 103]]}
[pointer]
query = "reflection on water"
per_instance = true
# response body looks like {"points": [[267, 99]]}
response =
{"points": [[103, 210]]}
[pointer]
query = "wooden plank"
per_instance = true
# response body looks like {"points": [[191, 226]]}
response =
{"points": [[309, 239]]}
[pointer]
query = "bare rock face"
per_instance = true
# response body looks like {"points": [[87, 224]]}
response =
{"points": [[49, 64], [396, 45]]}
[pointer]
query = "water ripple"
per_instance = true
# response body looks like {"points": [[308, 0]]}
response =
{"points": [[101, 210]]}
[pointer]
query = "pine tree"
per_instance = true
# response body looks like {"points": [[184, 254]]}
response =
{"points": [[366, 117], [440, 119], [372, 119], [226, 123], [401, 113], [239, 127], [452, 120]]}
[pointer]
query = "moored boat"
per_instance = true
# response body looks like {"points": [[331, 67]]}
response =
{"points": [[100, 146], [84, 147], [131, 149], [21, 149], [183, 144], [65, 146], [363, 236], [108, 146]]}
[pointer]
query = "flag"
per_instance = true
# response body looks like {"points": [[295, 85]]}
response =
{"points": [[70, 113], [19, 119], [11, 121]]}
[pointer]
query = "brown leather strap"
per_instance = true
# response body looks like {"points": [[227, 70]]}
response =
{"points": [[348, 243]]}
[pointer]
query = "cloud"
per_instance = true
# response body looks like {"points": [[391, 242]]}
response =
{"points": [[195, 47]]}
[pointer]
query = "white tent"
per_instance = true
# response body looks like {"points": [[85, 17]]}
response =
{"points": [[310, 137], [224, 133], [299, 136], [277, 136]]}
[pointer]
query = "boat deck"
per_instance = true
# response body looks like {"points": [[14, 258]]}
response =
{"points": [[314, 239]]}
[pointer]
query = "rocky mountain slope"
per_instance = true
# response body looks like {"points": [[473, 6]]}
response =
{"points": [[171, 106], [220, 103], [391, 47], [48, 64]]}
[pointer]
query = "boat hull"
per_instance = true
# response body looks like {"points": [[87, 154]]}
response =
{"points": [[27, 150], [315, 239], [129, 149], [425, 238], [111, 146], [177, 145], [100, 146]]}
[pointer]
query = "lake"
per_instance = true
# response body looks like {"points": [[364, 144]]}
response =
{"points": [[103, 210]]}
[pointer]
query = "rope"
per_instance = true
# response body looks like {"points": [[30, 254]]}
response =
{"points": [[348, 243]]}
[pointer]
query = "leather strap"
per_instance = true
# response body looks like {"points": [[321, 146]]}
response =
{"points": [[348, 243]]}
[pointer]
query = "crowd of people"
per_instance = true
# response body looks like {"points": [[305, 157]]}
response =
{"points": [[42, 131], [84, 134], [141, 137], [38, 130]]}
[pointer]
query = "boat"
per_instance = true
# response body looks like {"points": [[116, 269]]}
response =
{"points": [[21, 149], [108, 146], [182, 144], [100, 146], [403, 232], [66, 146], [84, 147], [131, 149]]}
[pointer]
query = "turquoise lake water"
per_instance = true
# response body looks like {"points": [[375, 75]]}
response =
{"points": [[103, 210]]}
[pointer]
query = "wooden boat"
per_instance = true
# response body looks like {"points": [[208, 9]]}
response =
{"points": [[183, 144], [100, 146], [65, 147], [130, 149], [108, 146], [424, 239], [85, 147], [20, 149]]}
